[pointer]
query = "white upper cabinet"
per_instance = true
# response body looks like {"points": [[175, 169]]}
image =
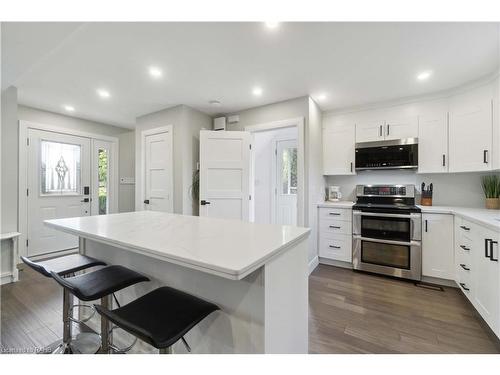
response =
{"points": [[471, 131], [338, 148], [433, 141], [392, 128], [398, 128], [370, 130], [438, 246]]}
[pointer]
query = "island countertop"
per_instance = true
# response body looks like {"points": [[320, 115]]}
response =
{"points": [[228, 248]]}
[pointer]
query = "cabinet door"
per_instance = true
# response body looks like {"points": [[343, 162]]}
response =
{"points": [[437, 246], [401, 128], [338, 150], [368, 131], [486, 276], [471, 132], [433, 143]]}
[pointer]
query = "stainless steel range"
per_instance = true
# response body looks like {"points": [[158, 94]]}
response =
{"points": [[387, 231]]}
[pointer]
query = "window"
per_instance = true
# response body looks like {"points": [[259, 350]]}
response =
{"points": [[289, 171], [103, 173], [60, 172]]}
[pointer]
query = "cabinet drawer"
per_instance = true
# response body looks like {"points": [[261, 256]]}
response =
{"points": [[342, 214], [336, 247], [327, 227]]}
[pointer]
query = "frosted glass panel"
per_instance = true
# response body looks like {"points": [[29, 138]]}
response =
{"points": [[289, 171], [60, 168]]}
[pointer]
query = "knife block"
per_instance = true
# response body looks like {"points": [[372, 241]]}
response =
{"points": [[426, 201]]}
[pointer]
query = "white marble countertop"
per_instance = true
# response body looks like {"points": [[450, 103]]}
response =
{"points": [[339, 204], [481, 216], [228, 248]]}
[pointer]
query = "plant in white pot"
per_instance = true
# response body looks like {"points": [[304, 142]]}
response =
{"points": [[491, 189]]}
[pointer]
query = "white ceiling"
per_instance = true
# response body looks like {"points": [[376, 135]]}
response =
{"points": [[53, 64]]}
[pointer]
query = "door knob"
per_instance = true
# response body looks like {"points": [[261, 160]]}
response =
{"points": [[146, 201], [85, 200], [204, 202]]}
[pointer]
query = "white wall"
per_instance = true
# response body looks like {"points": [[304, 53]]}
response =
{"points": [[187, 123], [451, 189], [8, 175], [126, 193], [263, 146]]}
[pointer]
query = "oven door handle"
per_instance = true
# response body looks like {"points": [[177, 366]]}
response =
{"points": [[403, 216], [389, 242]]}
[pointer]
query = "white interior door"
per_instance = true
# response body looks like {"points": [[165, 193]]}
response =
{"points": [[58, 178], [159, 172], [286, 182], [225, 174], [103, 178]]}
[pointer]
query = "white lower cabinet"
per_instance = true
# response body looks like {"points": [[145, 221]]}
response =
{"points": [[335, 233], [437, 246], [477, 270]]}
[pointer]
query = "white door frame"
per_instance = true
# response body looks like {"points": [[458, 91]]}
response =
{"points": [[24, 126], [299, 123], [142, 185]]}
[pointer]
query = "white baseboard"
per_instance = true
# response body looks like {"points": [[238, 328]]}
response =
{"points": [[313, 264], [336, 263], [6, 278]]}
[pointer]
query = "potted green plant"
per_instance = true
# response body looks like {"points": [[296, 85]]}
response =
{"points": [[491, 189]]}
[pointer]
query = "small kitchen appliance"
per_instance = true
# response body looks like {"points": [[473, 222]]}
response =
{"points": [[334, 194], [387, 231]]}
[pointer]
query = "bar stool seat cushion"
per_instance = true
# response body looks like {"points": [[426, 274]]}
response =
{"points": [[64, 265], [94, 285], [160, 317]]}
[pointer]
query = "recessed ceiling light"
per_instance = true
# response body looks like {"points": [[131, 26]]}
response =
{"points": [[257, 91], [215, 103], [424, 75], [155, 72], [103, 93], [272, 25], [69, 108]]}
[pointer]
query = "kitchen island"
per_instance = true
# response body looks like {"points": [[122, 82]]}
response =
{"points": [[257, 274]]}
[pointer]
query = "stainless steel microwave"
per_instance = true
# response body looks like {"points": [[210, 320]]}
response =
{"points": [[393, 154]]}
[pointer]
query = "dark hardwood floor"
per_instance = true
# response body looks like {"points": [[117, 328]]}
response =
{"points": [[352, 312], [349, 313]]}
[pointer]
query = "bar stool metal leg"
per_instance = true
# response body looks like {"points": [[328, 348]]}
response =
{"points": [[106, 333], [166, 350], [64, 347]]}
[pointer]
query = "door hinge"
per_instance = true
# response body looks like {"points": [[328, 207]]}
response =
{"points": [[249, 197], [27, 141], [250, 146], [27, 192], [27, 242]]}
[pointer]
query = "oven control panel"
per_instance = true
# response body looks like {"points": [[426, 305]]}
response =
{"points": [[385, 191]]}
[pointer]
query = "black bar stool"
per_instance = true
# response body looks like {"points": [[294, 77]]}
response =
{"points": [[101, 284], [161, 317], [65, 266]]}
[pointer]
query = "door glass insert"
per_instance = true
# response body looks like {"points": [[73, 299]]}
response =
{"points": [[103, 160], [60, 168], [289, 171], [382, 254]]}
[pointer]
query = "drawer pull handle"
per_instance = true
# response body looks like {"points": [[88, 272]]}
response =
{"points": [[491, 251], [334, 213], [464, 287], [334, 247], [464, 227], [334, 227], [487, 247], [465, 247], [464, 267]]}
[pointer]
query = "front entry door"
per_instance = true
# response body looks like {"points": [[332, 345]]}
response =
{"points": [[286, 182], [58, 178], [225, 174]]}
